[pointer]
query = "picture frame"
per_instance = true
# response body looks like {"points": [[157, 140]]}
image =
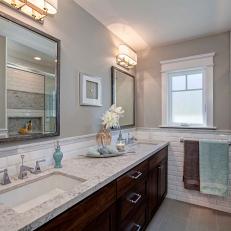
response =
{"points": [[90, 90]]}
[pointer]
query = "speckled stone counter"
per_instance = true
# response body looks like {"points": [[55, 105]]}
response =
{"points": [[97, 172]]}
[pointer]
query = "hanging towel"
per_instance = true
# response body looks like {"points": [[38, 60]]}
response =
{"points": [[191, 176], [214, 167]]}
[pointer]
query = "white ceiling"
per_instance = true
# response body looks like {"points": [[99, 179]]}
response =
{"points": [[148, 23], [24, 53]]}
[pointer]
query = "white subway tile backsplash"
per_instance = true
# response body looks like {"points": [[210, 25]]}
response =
{"points": [[13, 170], [175, 165], [72, 147], [3, 163], [10, 157], [13, 160]]}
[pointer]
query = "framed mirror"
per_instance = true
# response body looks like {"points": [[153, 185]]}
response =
{"points": [[29, 82], [123, 94]]}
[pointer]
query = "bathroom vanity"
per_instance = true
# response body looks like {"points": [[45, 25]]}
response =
{"points": [[127, 203], [118, 193]]}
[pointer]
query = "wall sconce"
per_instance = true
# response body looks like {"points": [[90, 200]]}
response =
{"points": [[36, 9], [127, 57]]}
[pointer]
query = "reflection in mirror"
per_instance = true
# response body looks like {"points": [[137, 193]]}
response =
{"points": [[123, 94], [28, 83]]}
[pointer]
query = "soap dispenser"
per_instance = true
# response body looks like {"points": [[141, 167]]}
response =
{"points": [[58, 156]]}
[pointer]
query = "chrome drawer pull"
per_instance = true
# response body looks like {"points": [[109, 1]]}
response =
{"points": [[134, 200], [138, 227], [136, 175]]}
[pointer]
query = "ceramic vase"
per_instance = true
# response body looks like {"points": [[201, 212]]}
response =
{"points": [[58, 156], [103, 137]]}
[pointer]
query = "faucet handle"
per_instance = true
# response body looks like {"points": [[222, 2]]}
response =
{"points": [[22, 157], [6, 179], [37, 166], [4, 170]]}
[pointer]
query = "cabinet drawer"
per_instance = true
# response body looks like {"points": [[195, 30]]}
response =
{"points": [[136, 222], [131, 200], [131, 178], [158, 157], [82, 214]]}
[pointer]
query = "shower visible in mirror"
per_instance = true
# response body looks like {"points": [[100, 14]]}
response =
{"points": [[29, 82]]}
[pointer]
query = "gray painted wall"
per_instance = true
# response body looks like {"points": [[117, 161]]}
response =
{"points": [[87, 46], [149, 78], [2, 82]]}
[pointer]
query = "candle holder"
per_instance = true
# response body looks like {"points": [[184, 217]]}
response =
{"points": [[120, 144]]}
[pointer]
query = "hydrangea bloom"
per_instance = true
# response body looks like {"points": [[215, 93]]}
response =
{"points": [[111, 117]]}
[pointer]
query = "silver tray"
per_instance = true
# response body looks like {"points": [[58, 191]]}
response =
{"points": [[106, 155]]}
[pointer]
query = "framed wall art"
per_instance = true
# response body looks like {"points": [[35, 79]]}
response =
{"points": [[90, 90]]}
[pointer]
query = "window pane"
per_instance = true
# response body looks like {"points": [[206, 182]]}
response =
{"points": [[195, 81], [178, 83], [187, 107]]}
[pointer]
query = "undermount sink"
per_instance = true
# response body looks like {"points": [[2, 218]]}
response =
{"points": [[24, 197]]}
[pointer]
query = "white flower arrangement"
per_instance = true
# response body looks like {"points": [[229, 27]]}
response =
{"points": [[111, 117]]}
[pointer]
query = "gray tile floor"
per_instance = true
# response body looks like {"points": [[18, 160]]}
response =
{"points": [[179, 216]]}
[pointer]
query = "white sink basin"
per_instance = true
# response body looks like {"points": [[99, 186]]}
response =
{"points": [[24, 197]]}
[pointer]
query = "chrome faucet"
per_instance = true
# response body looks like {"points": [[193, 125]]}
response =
{"points": [[24, 169], [130, 140], [37, 168], [5, 179]]}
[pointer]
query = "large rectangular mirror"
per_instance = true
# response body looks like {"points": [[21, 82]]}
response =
{"points": [[29, 82], [123, 94]]}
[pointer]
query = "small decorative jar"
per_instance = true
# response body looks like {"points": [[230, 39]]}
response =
{"points": [[58, 156], [120, 144]]}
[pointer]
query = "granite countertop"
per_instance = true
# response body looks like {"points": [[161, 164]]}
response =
{"points": [[97, 172]]}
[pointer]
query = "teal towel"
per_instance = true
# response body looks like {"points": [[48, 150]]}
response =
{"points": [[214, 167]]}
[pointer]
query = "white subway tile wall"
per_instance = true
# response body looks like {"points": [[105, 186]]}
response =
{"points": [[19, 80], [175, 166], [10, 157], [72, 147]]}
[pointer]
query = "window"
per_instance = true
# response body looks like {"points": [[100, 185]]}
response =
{"points": [[186, 97], [187, 91]]}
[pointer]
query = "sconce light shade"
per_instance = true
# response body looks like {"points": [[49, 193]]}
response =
{"points": [[39, 4], [16, 3], [36, 9], [51, 6], [127, 57]]}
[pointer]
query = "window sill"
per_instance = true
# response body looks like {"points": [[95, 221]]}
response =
{"points": [[188, 127]]}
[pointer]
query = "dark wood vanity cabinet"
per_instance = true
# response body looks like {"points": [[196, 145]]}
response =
{"points": [[162, 180], [157, 181], [127, 204], [95, 211]]}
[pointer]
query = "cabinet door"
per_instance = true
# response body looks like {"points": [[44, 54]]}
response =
{"points": [[162, 180], [105, 222], [152, 191], [83, 214]]}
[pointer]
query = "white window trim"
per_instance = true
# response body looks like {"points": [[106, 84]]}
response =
{"points": [[204, 62]]}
